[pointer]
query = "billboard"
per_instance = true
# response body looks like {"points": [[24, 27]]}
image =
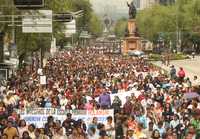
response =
{"points": [[39, 21]]}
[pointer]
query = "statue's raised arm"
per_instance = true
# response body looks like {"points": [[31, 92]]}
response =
{"points": [[132, 10]]}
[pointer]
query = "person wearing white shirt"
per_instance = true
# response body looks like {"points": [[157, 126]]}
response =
{"points": [[196, 81], [175, 121], [109, 126], [22, 127], [160, 128], [63, 102]]}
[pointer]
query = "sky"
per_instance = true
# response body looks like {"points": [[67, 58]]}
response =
{"points": [[113, 8]]}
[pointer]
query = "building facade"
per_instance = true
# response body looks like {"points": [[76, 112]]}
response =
{"points": [[143, 4]]}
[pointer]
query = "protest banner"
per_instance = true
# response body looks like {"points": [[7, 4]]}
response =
{"points": [[122, 94], [38, 116]]}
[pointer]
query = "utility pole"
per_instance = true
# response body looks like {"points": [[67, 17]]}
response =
{"points": [[13, 27]]}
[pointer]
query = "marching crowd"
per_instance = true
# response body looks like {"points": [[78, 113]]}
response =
{"points": [[167, 107]]}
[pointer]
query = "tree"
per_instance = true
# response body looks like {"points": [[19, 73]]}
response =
{"points": [[96, 26], [120, 27]]}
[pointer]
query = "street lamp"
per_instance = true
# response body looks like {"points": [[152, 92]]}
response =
{"points": [[160, 44]]}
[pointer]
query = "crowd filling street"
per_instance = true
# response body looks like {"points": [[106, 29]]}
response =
{"points": [[167, 106]]}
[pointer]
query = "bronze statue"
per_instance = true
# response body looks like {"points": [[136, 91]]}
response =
{"points": [[132, 10]]}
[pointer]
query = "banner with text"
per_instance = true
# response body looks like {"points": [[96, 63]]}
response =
{"points": [[38, 116]]}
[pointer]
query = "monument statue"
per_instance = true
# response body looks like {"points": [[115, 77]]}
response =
{"points": [[132, 10]]}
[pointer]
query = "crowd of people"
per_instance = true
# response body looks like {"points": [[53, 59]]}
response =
{"points": [[164, 109]]}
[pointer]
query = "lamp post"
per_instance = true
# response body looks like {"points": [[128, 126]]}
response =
{"points": [[178, 31], [160, 44]]}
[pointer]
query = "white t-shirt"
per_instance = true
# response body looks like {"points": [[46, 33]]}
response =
{"points": [[174, 123], [111, 132], [21, 130]]}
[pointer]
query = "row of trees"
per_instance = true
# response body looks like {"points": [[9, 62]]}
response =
{"points": [[165, 21], [27, 43]]}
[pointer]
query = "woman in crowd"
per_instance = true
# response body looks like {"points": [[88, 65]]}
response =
{"points": [[156, 135], [25, 135], [22, 127]]}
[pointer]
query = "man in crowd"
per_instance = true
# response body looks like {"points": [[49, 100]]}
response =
{"points": [[10, 130]]}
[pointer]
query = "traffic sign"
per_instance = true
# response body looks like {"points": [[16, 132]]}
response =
{"points": [[70, 28], [41, 23]]}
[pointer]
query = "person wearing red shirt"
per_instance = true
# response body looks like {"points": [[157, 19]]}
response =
{"points": [[181, 74]]}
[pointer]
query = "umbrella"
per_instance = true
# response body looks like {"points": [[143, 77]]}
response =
{"points": [[136, 53], [191, 95]]}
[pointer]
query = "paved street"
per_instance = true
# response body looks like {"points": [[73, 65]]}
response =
{"points": [[191, 66]]}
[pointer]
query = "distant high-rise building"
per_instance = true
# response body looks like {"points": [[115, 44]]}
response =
{"points": [[137, 4], [143, 4]]}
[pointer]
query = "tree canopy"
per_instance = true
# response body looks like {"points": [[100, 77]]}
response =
{"points": [[120, 27], [31, 42], [183, 16]]}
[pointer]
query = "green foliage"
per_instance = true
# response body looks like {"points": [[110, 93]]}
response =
{"points": [[174, 56], [84, 5], [96, 26], [158, 19], [120, 27], [185, 15]]}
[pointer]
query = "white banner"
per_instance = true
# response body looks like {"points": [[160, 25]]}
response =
{"points": [[122, 94], [38, 116]]}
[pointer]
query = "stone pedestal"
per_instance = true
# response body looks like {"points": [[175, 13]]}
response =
{"points": [[131, 26], [132, 42]]}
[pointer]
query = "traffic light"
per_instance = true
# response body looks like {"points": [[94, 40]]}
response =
{"points": [[29, 4]]}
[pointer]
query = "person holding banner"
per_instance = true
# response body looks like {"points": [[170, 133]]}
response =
{"points": [[105, 100], [69, 124]]}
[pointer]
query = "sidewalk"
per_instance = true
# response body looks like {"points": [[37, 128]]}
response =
{"points": [[191, 66]]}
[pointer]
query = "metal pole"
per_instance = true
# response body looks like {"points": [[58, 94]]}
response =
{"points": [[178, 43], [13, 26], [72, 40]]}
